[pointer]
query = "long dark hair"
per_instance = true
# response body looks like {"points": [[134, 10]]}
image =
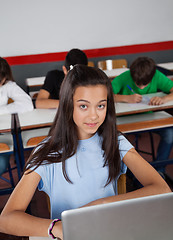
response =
{"points": [[5, 71], [62, 141]]}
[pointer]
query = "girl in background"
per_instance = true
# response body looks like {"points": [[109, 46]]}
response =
{"points": [[9, 89], [21, 101], [81, 159]]}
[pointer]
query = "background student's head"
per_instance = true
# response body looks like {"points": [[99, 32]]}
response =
{"points": [[142, 71], [74, 56], [5, 72]]}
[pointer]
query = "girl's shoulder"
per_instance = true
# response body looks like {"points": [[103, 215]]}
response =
{"points": [[124, 144], [10, 84]]}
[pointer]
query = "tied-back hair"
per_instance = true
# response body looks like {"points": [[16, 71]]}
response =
{"points": [[5, 71], [142, 70], [75, 56], [62, 141]]}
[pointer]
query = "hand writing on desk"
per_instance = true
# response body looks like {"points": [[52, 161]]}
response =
{"points": [[157, 101], [135, 98]]}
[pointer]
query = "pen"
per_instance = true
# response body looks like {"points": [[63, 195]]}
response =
{"points": [[131, 89]]}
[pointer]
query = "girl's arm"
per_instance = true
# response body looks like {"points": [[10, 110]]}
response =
{"points": [[152, 182], [15, 221], [21, 100]]}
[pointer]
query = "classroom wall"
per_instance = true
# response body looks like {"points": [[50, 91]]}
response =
{"points": [[45, 26], [36, 27], [21, 72]]}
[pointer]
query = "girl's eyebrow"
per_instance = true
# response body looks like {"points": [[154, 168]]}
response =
{"points": [[83, 100]]}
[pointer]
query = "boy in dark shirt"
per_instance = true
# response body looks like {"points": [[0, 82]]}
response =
{"points": [[48, 96]]}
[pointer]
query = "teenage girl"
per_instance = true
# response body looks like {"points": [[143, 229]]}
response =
{"points": [[81, 159]]}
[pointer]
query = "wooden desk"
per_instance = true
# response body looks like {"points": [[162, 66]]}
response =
{"points": [[5, 123], [37, 118], [144, 122], [6, 139], [8, 127], [44, 117], [115, 72], [35, 122], [133, 108], [168, 66]]}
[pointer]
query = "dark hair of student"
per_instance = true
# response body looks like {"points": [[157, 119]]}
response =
{"points": [[62, 141], [75, 56], [5, 71], [142, 70]]}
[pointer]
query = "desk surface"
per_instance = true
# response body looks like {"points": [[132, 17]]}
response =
{"points": [[168, 65], [36, 118], [144, 122], [35, 81], [133, 108], [5, 123], [115, 72]]}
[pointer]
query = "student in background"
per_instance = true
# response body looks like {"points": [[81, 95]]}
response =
{"points": [[81, 159], [21, 101], [9, 89], [144, 78], [48, 96]]}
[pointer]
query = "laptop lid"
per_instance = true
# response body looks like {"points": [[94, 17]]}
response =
{"points": [[144, 218]]}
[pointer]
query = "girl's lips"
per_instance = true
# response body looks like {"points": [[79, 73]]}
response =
{"points": [[91, 124]]}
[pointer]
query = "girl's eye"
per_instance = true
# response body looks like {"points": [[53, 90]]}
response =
{"points": [[83, 106], [101, 106]]}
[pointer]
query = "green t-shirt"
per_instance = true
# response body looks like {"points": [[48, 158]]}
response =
{"points": [[159, 82]]}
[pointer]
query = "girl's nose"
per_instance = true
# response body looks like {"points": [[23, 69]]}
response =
{"points": [[93, 114]]}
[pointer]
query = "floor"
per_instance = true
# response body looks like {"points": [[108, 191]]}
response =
{"points": [[39, 201]]}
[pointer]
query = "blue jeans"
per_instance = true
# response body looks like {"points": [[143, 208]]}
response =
{"points": [[4, 160], [165, 144]]}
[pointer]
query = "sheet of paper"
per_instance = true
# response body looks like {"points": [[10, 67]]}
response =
{"points": [[145, 101]]}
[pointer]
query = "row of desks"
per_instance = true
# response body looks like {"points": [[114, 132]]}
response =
{"points": [[130, 118], [44, 117], [117, 71]]}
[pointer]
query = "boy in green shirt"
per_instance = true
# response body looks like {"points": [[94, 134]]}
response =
{"points": [[143, 78]]}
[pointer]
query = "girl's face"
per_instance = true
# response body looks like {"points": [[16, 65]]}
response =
{"points": [[90, 106]]}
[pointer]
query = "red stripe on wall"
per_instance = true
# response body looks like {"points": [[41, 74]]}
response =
{"points": [[91, 53]]}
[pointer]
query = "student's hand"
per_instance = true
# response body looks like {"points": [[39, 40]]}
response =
{"points": [[157, 101], [57, 230], [135, 98]]}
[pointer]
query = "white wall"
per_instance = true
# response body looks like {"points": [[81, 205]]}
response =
{"points": [[45, 26]]}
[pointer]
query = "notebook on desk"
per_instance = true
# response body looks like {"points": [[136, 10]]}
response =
{"points": [[136, 219]]}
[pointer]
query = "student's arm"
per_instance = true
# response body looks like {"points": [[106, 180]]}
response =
{"points": [[162, 100], [120, 83], [134, 98], [21, 100], [15, 221], [43, 100], [152, 182]]}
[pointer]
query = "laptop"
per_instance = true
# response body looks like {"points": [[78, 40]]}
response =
{"points": [[143, 218]]}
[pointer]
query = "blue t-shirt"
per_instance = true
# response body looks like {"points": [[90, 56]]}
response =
{"points": [[85, 169]]}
